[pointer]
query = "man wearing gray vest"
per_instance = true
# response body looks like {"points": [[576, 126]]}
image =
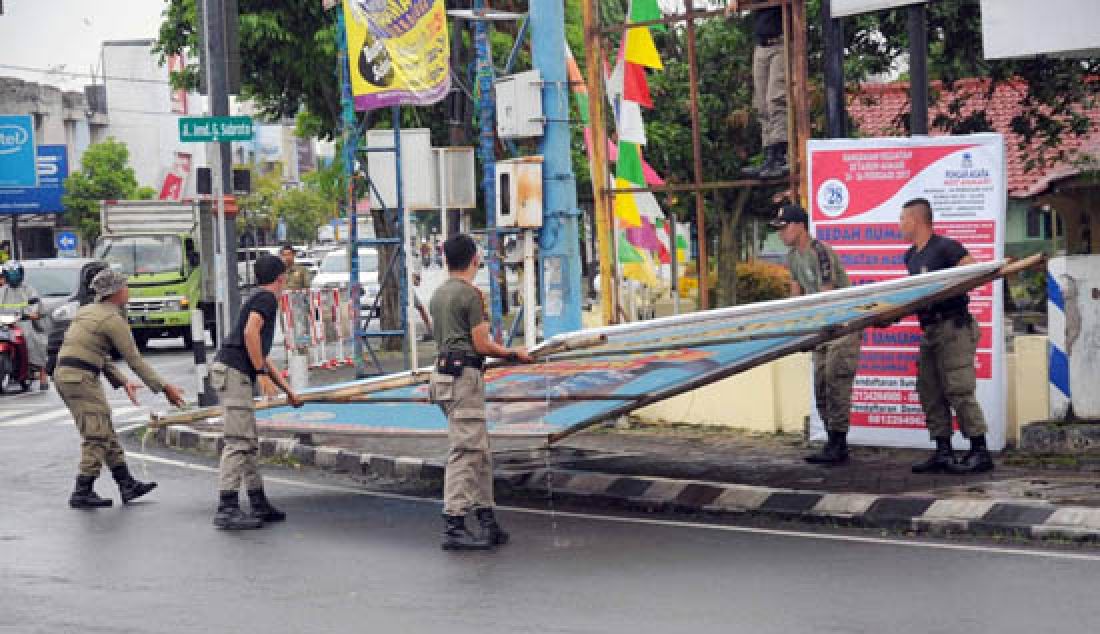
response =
{"points": [[815, 268]]}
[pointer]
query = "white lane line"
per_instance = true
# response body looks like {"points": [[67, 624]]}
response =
{"points": [[27, 420], [880, 541], [11, 417]]}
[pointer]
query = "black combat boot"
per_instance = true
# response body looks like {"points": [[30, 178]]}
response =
{"points": [[84, 497], [130, 488], [753, 171], [490, 529], [941, 460], [835, 451], [777, 167], [262, 508], [230, 517], [977, 460], [457, 537]]}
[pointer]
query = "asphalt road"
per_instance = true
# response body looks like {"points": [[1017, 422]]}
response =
{"points": [[354, 560]]}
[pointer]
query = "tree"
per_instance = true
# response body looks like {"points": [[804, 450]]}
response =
{"points": [[1052, 108], [105, 174], [303, 210]]}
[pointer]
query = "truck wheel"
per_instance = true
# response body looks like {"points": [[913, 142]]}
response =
{"points": [[142, 341], [187, 339]]}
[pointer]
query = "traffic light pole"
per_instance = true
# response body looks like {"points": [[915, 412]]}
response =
{"points": [[217, 83]]}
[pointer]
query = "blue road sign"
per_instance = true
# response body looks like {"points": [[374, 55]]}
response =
{"points": [[17, 152], [53, 168], [67, 241]]}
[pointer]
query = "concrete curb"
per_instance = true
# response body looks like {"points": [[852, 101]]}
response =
{"points": [[920, 514]]}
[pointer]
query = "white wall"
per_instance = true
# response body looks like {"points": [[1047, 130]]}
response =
{"points": [[140, 112]]}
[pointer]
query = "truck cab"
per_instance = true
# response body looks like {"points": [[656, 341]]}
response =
{"points": [[159, 245]]}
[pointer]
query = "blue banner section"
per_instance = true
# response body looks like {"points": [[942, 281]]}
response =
{"points": [[53, 168], [17, 151]]}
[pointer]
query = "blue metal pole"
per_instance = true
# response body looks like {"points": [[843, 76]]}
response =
{"points": [[351, 145], [487, 153], [399, 222], [559, 248]]}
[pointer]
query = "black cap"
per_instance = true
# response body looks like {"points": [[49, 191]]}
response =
{"points": [[787, 214], [268, 268]]}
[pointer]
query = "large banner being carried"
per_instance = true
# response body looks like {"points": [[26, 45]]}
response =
{"points": [[856, 190], [398, 51]]}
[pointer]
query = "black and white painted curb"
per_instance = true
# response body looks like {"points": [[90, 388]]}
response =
{"points": [[922, 514]]}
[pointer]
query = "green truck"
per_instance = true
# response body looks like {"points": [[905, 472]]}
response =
{"points": [[167, 249]]}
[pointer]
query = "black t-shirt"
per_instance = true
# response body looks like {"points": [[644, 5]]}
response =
{"points": [[766, 24], [233, 352], [940, 253]]}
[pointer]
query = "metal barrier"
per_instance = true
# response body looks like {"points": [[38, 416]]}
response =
{"points": [[318, 325]]}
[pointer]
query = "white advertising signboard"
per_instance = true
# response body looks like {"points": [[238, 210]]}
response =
{"points": [[857, 188], [1022, 28], [842, 8]]}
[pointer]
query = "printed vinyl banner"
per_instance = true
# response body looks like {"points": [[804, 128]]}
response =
{"points": [[639, 363], [856, 190], [398, 52]]}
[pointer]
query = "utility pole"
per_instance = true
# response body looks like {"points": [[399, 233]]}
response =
{"points": [[559, 257], [918, 69], [217, 84], [832, 30]]}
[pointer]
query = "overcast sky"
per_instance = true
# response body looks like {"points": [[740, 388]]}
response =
{"points": [[66, 34]]}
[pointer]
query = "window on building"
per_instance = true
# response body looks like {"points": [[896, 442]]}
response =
{"points": [[1035, 222]]}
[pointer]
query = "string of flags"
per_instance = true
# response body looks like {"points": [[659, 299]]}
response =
{"points": [[643, 234]]}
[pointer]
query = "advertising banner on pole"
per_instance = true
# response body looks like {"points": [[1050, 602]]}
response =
{"points": [[857, 188], [398, 52], [53, 168], [17, 151]]}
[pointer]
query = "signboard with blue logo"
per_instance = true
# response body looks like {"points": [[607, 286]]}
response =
{"points": [[53, 168], [67, 243], [17, 151]]}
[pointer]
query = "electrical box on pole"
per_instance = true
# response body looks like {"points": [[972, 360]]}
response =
{"points": [[519, 193], [519, 105]]}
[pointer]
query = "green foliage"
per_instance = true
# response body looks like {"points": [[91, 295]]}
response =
{"points": [[105, 174], [304, 210]]}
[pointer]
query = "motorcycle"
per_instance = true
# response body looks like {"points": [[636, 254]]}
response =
{"points": [[14, 357]]}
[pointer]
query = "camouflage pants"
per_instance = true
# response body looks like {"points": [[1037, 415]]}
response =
{"points": [[835, 365], [468, 479], [238, 463], [769, 95], [946, 378], [82, 393]]}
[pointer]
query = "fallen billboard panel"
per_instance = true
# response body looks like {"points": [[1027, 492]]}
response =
{"points": [[625, 367]]}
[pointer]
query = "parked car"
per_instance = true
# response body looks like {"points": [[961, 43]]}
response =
{"points": [[335, 272], [62, 284]]}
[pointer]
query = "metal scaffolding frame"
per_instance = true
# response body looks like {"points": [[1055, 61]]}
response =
{"points": [[794, 31]]}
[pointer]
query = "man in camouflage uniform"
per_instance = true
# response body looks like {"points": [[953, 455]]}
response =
{"points": [[462, 333], [946, 378], [298, 277], [814, 268], [97, 331]]}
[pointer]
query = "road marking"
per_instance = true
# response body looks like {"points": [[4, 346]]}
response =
{"points": [[59, 416], [24, 421], [880, 541]]}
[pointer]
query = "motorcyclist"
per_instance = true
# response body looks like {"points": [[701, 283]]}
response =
{"points": [[18, 296]]}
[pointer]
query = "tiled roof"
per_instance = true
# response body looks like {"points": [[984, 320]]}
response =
{"points": [[877, 109]]}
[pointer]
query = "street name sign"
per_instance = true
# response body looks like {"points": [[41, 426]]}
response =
{"points": [[212, 129]]}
